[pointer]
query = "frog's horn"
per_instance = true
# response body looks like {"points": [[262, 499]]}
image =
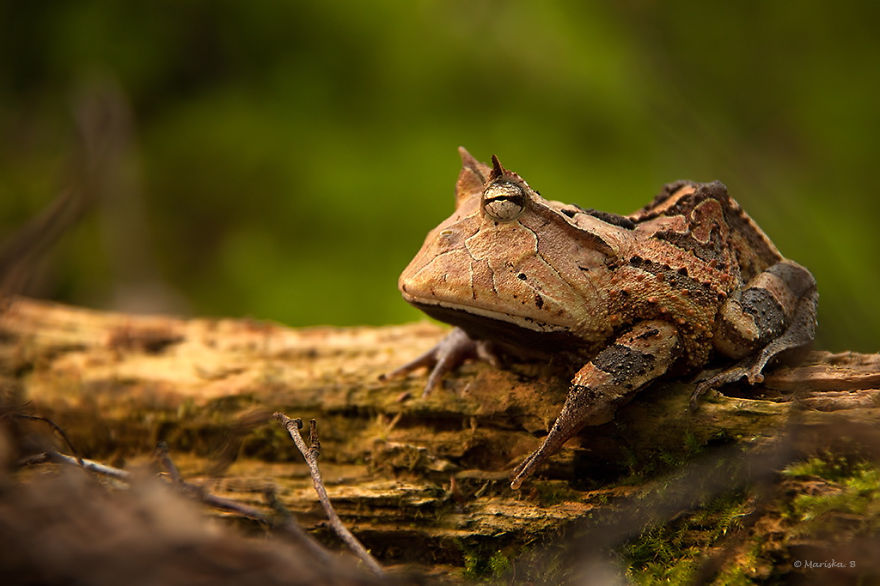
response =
{"points": [[497, 169]]}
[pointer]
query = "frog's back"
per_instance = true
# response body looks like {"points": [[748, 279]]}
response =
{"points": [[703, 219]]}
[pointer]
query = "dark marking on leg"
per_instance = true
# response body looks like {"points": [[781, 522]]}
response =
{"points": [[623, 363], [769, 315]]}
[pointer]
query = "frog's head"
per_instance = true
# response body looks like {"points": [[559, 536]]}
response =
{"points": [[507, 258]]}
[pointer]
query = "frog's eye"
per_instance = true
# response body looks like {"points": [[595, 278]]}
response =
{"points": [[504, 201]]}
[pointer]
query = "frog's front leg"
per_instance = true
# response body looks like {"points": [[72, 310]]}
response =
{"points": [[446, 356], [775, 313], [606, 382]]}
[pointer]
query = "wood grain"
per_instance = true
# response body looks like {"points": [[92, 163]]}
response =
{"points": [[408, 475]]}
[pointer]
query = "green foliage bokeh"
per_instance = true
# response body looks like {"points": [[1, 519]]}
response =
{"points": [[290, 157]]}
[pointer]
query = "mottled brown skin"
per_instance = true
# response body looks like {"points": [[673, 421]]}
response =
{"points": [[631, 298]]}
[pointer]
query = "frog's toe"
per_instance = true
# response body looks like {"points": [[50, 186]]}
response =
{"points": [[446, 363], [755, 376], [751, 368], [427, 359], [701, 389], [729, 375], [446, 356], [487, 353], [450, 353]]}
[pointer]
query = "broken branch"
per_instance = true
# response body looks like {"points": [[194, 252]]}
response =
{"points": [[288, 526], [310, 453], [58, 430]]}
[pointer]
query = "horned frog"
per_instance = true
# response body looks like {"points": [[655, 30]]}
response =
{"points": [[627, 299]]}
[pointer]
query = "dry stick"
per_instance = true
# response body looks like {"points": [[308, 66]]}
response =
{"points": [[289, 526], [83, 463], [57, 429], [168, 463], [310, 454]]}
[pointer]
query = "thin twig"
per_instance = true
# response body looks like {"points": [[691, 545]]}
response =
{"points": [[168, 463], [270, 495], [89, 465], [310, 454], [314, 442], [57, 429], [288, 526]]}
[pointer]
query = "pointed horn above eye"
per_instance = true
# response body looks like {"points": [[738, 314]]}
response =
{"points": [[497, 169]]}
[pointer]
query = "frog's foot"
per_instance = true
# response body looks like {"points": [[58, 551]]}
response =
{"points": [[734, 373], [551, 444], [446, 356], [799, 334]]}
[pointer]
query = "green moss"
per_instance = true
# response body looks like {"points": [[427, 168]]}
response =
{"points": [[826, 497], [672, 553], [851, 487], [474, 566], [665, 455], [499, 564], [692, 444], [865, 483], [477, 566], [827, 466], [658, 555]]}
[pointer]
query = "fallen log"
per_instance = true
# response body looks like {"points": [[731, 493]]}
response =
{"points": [[422, 482]]}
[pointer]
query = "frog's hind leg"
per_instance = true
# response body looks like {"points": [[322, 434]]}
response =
{"points": [[777, 312], [605, 383]]}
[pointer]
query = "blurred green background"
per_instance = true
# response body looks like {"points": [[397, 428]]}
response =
{"points": [[285, 160]]}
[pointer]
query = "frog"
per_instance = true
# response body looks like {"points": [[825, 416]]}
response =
{"points": [[684, 282]]}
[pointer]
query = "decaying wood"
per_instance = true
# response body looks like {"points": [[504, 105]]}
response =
{"points": [[420, 481]]}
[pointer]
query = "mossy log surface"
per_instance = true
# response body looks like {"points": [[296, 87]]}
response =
{"points": [[421, 481]]}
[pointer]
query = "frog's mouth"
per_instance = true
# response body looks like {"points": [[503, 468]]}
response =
{"points": [[522, 336]]}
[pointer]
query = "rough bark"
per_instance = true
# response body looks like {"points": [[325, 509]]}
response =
{"points": [[421, 481]]}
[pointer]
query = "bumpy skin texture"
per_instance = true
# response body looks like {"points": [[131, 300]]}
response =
{"points": [[631, 298]]}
